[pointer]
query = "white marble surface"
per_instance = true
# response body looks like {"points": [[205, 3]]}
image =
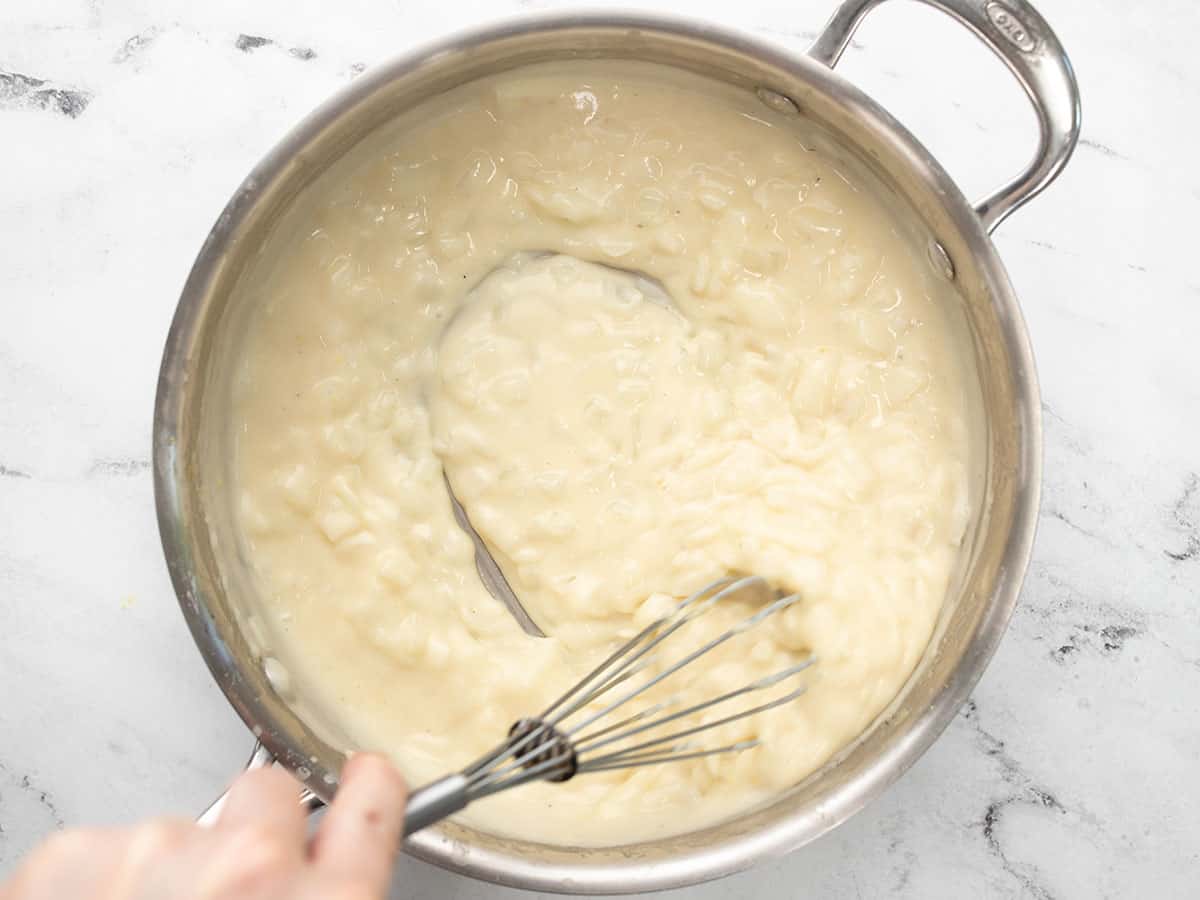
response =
{"points": [[1074, 772]]}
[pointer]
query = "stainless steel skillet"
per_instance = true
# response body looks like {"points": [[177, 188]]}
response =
{"points": [[196, 511]]}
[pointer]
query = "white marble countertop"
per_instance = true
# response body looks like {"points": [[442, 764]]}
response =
{"points": [[1074, 771]]}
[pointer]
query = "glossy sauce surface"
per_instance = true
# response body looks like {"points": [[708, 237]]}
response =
{"points": [[447, 297]]}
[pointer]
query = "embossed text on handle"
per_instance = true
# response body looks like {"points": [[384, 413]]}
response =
{"points": [[1008, 24]]}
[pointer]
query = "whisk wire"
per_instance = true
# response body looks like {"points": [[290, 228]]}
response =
{"points": [[704, 726], [590, 742], [628, 720], [535, 772], [656, 759], [619, 653], [526, 749], [658, 631], [708, 647], [539, 749], [581, 692]]}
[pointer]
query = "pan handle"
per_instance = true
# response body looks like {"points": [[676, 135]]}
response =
{"points": [[259, 759], [1016, 33], [425, 806]]}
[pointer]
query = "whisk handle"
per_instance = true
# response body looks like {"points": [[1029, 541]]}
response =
{"points": [[434, 802]]}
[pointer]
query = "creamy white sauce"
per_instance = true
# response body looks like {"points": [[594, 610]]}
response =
{"points": [[796, 410]]}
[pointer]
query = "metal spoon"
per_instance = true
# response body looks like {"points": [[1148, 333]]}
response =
{"points": [[489, 570], [485, 564]]}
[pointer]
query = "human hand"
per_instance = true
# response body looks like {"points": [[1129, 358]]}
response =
{"points": [[257, 850]]}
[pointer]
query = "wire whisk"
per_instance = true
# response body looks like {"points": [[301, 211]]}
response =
{"points": [[571, 736]]}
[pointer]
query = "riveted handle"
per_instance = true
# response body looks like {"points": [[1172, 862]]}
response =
{"points": [[260, 758], [1017, 34], [426, 805]]}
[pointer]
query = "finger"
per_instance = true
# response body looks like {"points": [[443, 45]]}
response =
{"points": [[257, 847], [266, 800], [68, 864], [148, 853], [360, 834]]}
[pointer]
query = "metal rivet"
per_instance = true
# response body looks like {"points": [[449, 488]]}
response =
{"points": [[940, 259], [777, 101]]}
